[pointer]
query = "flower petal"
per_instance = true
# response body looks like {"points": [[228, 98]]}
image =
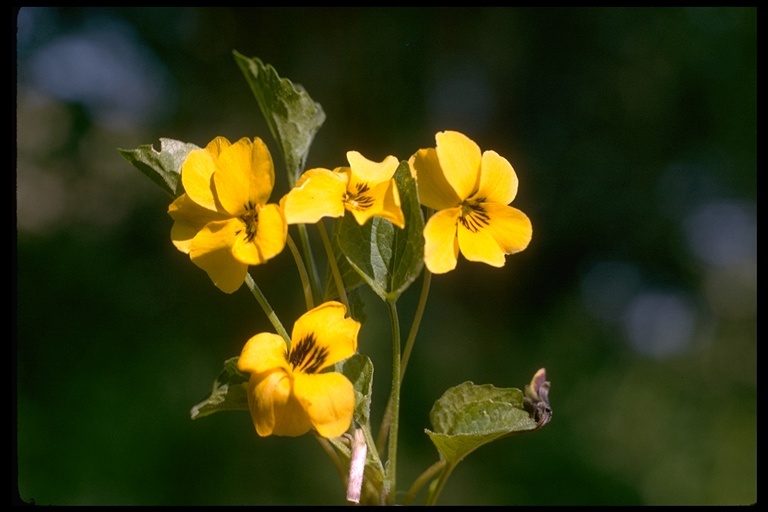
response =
{"points": [[479, 245], [189, 218], [384, 200], [217, 145], [328, 399], [370, 172], [197, 177], [498, 181], [211, 250], [434, 190], [441, 248], [460, 160], [331, 331], [263, 352], [274, 407], [318, 193], [510, 227], [271, 233], [244, 175]]}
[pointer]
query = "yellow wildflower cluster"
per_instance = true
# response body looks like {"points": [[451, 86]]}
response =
{"points": [[225, 222]]}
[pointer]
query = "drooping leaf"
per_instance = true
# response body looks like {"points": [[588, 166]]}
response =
{"points": [[164, 166], [469, 416], [229, 392], [388, 258], [293, 117]]}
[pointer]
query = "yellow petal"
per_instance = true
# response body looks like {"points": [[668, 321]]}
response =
{"points": [[197, 177], [244, 175], [510, 227], [211, 250], [274, 407], [441, 248], [318, 193], [262, 353], [271, 233], [328, 399], [326, 329], [460, 161], [434, 190], [498, 181], [383, 200], [217, 145], [370, 172], [479, 245], [189, 218]]}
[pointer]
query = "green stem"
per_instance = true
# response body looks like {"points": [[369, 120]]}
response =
{"points": [[315, 281], [390, 487], [435, 491], [303, 275], [427, 475], [384, 429], [416, 321], [256, 291], [332, 263], [334, 457]]}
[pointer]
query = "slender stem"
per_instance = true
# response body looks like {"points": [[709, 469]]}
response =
{"points": [[435, 491], [256, 291], [416, 321], [427, 475], [390, 486], [305, 284], [332, 263], [334, 458], [315, 281], [384, 429]]}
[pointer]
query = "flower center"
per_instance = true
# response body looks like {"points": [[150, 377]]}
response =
{"points": [[473, 215], [251, 220], [358, 200], [306, 356]]}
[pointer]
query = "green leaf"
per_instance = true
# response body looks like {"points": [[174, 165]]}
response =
{"points": [[229, 392], [164, 166], [388, 258], [293, 117], [469, 416], [359, 370]]}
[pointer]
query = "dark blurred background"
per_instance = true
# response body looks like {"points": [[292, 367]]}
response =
{"points": [[633, 134]]}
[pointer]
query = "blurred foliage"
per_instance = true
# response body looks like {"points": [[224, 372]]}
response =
{"points": [[633, 134]]}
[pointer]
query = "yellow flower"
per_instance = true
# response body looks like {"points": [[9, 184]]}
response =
{"points": [[223, 220], [288, 392], [470, 193], [365, 188]]}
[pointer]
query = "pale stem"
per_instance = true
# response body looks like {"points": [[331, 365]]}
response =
{"points": [[334, 457], [303, 275], [333, 265], [384, 428], [315, 281], [427, 475], [435, 491], [262, 300], [390, 486]]}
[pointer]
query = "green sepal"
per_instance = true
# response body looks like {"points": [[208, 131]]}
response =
{"points": [[388, 258], [230, 392], [292, 116], [164, 166]]}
